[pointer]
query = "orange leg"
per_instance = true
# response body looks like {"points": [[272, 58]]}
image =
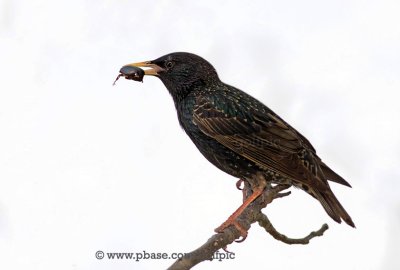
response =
{"points": [[232, 219]]}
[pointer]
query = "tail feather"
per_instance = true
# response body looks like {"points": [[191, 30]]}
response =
{"points": [[332, 176], [333, 207]]}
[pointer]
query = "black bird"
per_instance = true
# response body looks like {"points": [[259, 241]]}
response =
{"points": [[240, 135]]}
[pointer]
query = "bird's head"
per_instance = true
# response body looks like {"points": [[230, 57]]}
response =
{"points": [[180, 72]]}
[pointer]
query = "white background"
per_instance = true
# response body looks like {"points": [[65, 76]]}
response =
{"points": [[85, 166]]}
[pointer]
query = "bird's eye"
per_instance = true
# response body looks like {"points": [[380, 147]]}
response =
{"points": [[169, 64]]}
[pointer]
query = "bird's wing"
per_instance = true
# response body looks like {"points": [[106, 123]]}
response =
{"points": [[328, 172], [260, 136]]}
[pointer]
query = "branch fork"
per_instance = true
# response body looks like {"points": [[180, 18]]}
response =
{"points": [[250, 215]]}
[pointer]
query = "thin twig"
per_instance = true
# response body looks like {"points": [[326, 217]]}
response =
{"points": [[264, 222]]}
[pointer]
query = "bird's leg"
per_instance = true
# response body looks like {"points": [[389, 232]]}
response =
{"points": [[232, 220]]}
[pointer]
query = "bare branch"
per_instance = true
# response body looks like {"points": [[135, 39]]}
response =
{"points": [[207, 250], [264, 222]]}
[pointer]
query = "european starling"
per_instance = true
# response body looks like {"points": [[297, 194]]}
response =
{"points": [[240, 135]]}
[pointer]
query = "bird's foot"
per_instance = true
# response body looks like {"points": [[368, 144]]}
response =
{"points": [[243, 232], [239, 184], [233, 219]]}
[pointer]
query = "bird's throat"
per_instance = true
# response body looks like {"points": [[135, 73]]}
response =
{"points": [[180, 91]]}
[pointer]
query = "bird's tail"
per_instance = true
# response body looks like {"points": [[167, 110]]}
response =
{"points": [[333, 207], [331, 175]]}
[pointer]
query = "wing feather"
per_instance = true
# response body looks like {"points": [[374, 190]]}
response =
{"points": [[261, 137]]}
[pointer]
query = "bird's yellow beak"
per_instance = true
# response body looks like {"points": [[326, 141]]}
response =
{"points": [[153, 69]]}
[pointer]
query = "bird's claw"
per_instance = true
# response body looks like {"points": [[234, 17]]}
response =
{"points": [[226, 224], [225, 248], [239, 184]]}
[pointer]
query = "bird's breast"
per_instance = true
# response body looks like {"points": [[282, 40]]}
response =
{"points": [[216, 153]]}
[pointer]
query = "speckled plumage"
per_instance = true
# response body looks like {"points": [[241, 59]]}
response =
{"points": [[242, 136]]}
